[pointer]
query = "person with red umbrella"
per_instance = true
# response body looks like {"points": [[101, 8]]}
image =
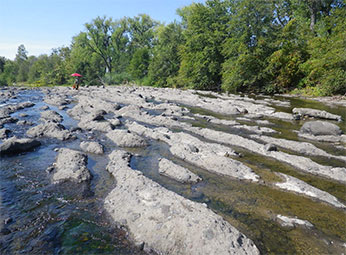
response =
{"points": [[77, 80]]}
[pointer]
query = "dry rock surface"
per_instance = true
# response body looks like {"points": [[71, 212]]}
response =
{"points": [[145, 141], [71, 165], [176, 172], [166, 222]]}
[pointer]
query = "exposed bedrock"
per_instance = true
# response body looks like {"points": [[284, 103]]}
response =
{"points": [[316, 113], [92, 106], [176, 172], [52, 116], [124, 138], [286, 221], [299, 162], [210, 156], [161, 220], [14, 145], [300, 147], [6, 110], [92, 147], [322, 131], [4, 133], [71, 165], [49, 129], [301, 187]]}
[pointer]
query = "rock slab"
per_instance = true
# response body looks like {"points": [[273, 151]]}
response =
{"points": [[14, 145], [176, 172], [316, 114], [71, 165], [165, 222]]}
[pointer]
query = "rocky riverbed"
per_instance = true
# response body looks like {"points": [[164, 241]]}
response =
{"points": [[139, 170]]}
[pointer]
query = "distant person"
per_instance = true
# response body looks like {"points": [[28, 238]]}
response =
{"points": [[77, 82]]}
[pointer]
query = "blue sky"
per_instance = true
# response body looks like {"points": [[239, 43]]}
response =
{"points": [[45, 24]]}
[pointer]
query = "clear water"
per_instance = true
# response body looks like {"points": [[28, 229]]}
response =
{"points": [[69, 218]]}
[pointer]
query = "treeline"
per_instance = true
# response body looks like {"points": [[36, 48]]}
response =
{"points": [[261, 46]]}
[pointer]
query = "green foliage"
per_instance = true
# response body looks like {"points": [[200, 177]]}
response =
{"points": [[139, 64], [201, 55], [165, 63], [326, 68], [233, 45], [9, 73], [117, 78], [249, 45], [283, 71]]}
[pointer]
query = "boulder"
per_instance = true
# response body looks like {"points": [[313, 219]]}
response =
{"points": [[92, 147], [176, 172], [14, 145], [50, 115], [50, 129], [124, 138], [102, 126], [316, 114], [163, 221], [318, 128], [71, 165]]}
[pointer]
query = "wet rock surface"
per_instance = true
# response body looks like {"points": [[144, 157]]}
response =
{"points": [[260, 163], [292, 222], [14, 145]]}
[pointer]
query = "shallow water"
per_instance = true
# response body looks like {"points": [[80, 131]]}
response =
{"points": [[54, 219], [69, 218]]}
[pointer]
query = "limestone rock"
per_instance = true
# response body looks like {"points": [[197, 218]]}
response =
{"points": [[319, 128], [124, 138], [163, 221], [50, 115], [301, 187], [176, 172], [50, 129], [4, 132], [316, 113], [92, 147], [71, 165], [14, 145], [291, 222]]}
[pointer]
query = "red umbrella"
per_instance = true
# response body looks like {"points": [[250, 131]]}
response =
{"points": [[76, 74]]}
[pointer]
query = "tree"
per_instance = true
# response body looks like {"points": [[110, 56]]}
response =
{"points": [[141, 32], [22, 64], [165, 64], [201, 55], [2, 64], [252, 31], [83, 60], [139, 64], [325, 70], [98, 39], [283, 72]]}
